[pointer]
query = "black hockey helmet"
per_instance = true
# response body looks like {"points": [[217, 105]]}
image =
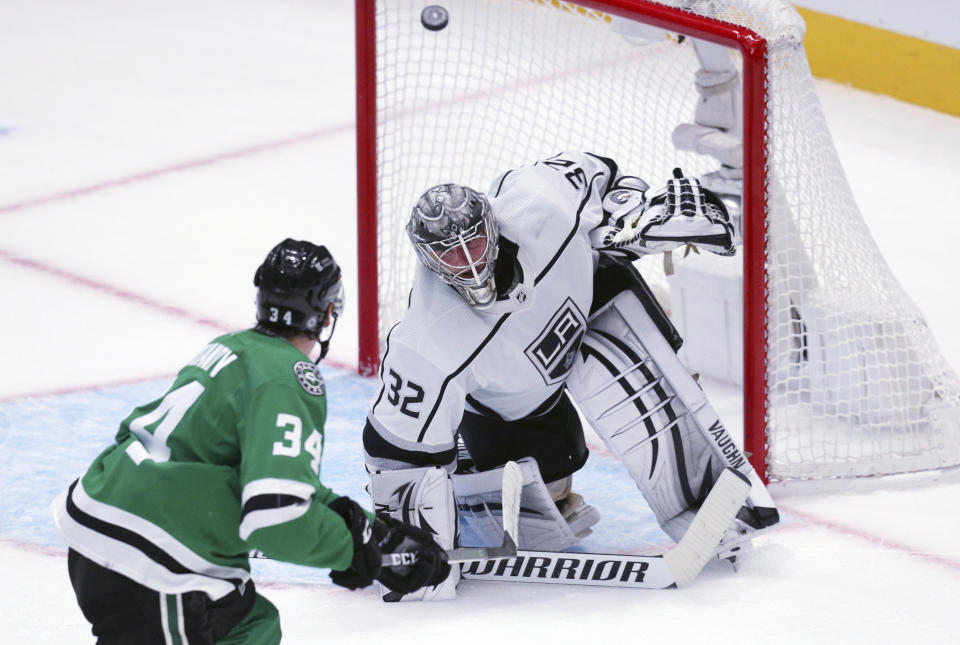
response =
{"points": [[296, 284]]}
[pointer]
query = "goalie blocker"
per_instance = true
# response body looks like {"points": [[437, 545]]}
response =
{"points": [[632, 388]]}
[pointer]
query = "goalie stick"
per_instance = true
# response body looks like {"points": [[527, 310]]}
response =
{"points": [[511, 488], [677, 567]]}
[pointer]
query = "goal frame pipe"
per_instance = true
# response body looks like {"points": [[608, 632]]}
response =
{"points": [[753, 49], [368, 297]]}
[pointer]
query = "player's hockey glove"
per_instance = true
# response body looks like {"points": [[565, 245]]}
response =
{"points": [[682, 213], [365, 566], [428, 564]]}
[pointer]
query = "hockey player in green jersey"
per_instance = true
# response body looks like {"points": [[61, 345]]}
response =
{"points": [[225, 462]]}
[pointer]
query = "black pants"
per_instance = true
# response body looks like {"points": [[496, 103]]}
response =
{"points": [[554, 439], [124, 612]]}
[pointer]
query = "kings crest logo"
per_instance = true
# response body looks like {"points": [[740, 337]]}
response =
{"points": [[309, 377], [553, 351]]}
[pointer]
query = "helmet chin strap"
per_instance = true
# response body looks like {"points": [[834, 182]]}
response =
{"points": [[325, 343]]}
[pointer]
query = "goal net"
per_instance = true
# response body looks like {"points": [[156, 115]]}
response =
{"points": [[839, 373]]}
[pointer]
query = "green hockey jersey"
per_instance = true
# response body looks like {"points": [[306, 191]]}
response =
{"points": [[226, 461]]}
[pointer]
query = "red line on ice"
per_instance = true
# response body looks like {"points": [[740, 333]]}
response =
{"points": [[32, 547], [886, 543], [84, 388], [197, 319], [111, 290], [305, 137], [129, 296], [808, 519], [180, 167]]}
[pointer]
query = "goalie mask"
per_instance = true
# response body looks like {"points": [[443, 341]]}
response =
{"points": [[454, 232], [296, 286]]}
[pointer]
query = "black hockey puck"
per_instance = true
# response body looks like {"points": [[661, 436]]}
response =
{"points": [[434, 17]]}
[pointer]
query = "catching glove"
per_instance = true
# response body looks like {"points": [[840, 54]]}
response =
{"points": [[683, 213]]}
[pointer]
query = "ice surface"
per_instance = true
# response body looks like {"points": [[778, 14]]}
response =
{"points": [[152, 152]]}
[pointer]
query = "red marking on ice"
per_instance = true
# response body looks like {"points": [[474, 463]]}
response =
{"points": [[600, 449], [886, 543], [175, 168], [84, 388], [112, 290], [128, 296], [92, 387], [33, 548], [806, 520]]}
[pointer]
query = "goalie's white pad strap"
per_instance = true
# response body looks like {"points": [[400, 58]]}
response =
{"points": [[422, 497], [718, 83], [640, 399], [541, 525], [724, 147]]}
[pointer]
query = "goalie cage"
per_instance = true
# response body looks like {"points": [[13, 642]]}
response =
{"points": [[840, 375]]}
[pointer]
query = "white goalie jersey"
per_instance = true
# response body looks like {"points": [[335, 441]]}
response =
{"points": [[510, 359]]}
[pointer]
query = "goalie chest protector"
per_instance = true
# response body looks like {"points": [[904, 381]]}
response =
{"points": [[512, 357]]}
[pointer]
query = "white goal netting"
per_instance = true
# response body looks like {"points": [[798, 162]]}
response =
{"points": [[855, 384]]}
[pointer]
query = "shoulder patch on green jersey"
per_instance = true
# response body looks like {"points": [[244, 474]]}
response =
{"points": [[309, 377]]}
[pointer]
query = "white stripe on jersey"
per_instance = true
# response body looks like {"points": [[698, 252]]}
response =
{"points": [[134, 563], [270, 517], [165, 620], [151, 532], [181, 626]]}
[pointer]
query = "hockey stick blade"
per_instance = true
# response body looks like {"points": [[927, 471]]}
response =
{"points": [[677, 567], [714, 517], [571, 568], [511, 489]]}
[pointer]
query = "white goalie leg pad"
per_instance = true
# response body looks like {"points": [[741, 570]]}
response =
{"points": [[640, 399], [422, 497], [542, 527]]}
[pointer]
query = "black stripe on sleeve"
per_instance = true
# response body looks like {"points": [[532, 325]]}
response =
{"points": [[496, 193], [612, 166], [268, 502], [573, 231]]}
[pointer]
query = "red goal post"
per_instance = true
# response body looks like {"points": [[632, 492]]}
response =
{"points": [[397, 132]]}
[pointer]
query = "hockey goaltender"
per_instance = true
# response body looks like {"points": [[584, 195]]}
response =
{"points": [[526, 303]]}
